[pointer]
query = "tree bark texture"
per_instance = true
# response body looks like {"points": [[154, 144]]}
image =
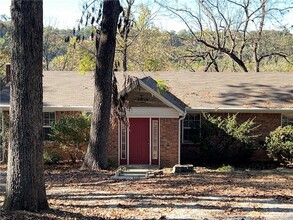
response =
{"points": [[96, 156], [25, 189]]}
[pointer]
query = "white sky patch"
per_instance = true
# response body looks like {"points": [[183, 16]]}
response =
{"points": [[66, 13], [169, 24]]}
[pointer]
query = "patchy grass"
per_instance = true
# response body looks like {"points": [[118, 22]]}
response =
{"points": [[225, 168], [75, 194]]}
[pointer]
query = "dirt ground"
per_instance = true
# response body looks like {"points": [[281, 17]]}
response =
{"points": [[204, 194]]}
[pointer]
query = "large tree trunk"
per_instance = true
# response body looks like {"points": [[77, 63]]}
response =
{"points": [[96, 156], [25, 189]]}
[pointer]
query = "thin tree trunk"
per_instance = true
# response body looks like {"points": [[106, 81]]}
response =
{"points": [[25, 189], [126, 34], [125, 58], [96, 156], [258, 36], [47, 65]]}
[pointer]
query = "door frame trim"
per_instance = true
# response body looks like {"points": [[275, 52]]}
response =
{"points": [[149, 145], [150, 141]]}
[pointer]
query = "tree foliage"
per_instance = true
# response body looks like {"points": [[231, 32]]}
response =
{"points": [[141, 45], [224, 140], [5, 43], [279, 144], [232, 28], [72, 132], [78, 57], [53, 45]]}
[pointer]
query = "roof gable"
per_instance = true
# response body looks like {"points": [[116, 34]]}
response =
{"points": [[149, 85]]}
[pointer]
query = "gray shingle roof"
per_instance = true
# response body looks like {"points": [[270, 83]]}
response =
{"points": [[198, 90], [229, 90]]}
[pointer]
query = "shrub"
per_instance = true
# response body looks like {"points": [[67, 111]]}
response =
{"points": [[51, 157], [72, 132], [225, 168], [279, 144], [224, 140]]}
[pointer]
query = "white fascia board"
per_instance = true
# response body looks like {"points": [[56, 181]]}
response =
{"points": [[240, 110], [152, 112], [161, 98], [4, 107], [56, 108], [67, 108]]}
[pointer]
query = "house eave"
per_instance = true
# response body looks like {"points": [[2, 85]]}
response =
{"points": [[164, 100], [56, 108], [239, 110]]}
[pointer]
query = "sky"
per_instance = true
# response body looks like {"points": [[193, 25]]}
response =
{"points": [[66, 13], [61, 13]]}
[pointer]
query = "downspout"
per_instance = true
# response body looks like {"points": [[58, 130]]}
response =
{"points": [[179, 136]]}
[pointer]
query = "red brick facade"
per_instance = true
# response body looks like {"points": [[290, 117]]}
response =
{"points": [[169, 141], [169, 132], [267, 122], [113, 145], [169, 136], [60, 113]]}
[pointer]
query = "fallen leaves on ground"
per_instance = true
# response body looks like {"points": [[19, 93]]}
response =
{"points": [[76, 194]]}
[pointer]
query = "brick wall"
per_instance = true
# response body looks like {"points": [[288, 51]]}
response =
{"points": [[113, 144], [60, 113], [267, 121], [169, 141]]}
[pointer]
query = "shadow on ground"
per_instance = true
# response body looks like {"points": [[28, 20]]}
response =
{"points": [[48, 214], [75, 194]]}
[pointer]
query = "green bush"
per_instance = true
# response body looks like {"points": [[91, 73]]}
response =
{"points": [[279, 144], [51, 157], [72, 132], [224, 140], [226, 168]]}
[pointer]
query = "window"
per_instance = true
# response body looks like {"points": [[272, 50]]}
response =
{"points": [[123, 141], [155, 139], [191, 129], [287, 120], [49, 119]]}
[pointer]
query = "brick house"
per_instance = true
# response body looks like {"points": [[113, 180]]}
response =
{"points": [[159, 131]]}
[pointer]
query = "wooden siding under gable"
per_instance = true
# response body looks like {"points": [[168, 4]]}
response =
{"points": [[139, 97]]}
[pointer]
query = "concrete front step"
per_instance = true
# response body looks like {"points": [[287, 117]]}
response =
{"points": [[133, 174], [141, 167], [136, 171]]}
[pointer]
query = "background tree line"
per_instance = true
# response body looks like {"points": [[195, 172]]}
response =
{"points": [[146, 47]]}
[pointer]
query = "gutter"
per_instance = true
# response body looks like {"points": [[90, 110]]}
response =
{"points": [[240, 110], [179, 136], [56, 108]]}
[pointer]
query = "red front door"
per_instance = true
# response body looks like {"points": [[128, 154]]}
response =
{"points": [[139, 141]]}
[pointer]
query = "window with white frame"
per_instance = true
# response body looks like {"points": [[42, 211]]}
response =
{"points": [[287, 120], [123, 140], [191, 128], [49, 119]]}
